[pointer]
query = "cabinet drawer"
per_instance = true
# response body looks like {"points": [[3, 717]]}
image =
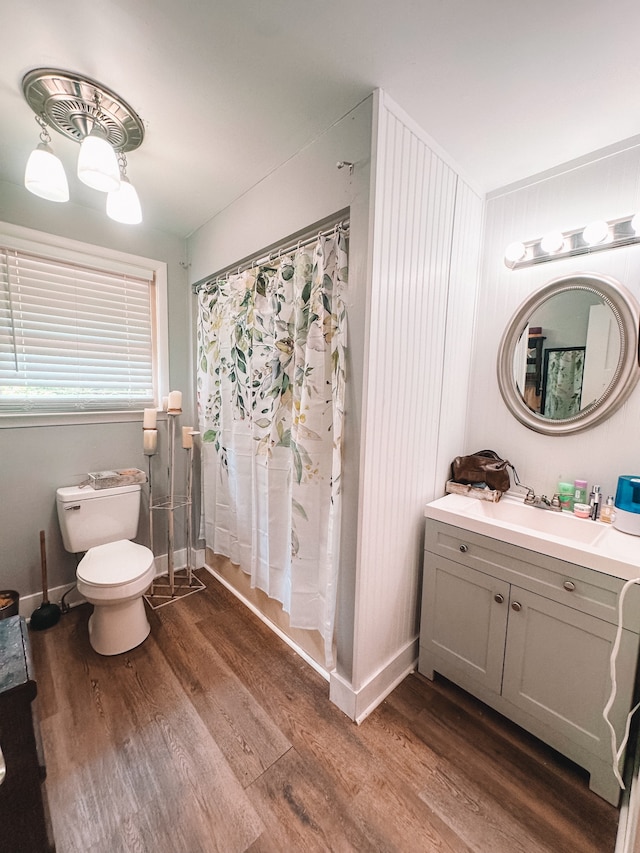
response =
{"points": [[570, 584]]}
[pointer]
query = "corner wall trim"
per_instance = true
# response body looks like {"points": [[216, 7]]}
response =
{"points": [[358, 704]]}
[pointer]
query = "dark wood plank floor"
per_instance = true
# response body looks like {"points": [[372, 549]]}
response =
{"points": [[215, 736]]}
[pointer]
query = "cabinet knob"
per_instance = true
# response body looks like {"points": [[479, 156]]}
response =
{"points": [[515, 605], [464, 548], [569, 586], [499, 597]]}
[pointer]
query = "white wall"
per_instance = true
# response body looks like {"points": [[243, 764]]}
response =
{"points": [[35, 460], [426, 229], [605, 187]]}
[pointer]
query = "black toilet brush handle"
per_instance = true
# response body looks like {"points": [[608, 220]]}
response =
{"points": [[43, 563]]}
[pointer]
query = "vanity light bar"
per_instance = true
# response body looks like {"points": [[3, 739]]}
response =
{"points": [[593, 238]]}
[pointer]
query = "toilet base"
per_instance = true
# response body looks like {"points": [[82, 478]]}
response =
{"points": [[117, 628]]}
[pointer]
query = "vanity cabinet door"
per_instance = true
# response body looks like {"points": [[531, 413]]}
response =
{"points": [[464, 620], [557, 670]]}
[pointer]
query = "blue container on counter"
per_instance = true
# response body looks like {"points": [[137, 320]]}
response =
{"points": [[628, 504]]}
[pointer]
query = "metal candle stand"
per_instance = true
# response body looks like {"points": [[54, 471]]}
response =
{"points": [[171, 502]]}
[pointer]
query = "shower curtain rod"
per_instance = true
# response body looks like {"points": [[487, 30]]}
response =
{"points": [[273, 255]]}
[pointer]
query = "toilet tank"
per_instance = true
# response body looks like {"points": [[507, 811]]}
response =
{"points": [[90, 517]]}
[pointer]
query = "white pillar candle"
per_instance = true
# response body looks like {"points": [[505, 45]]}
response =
{"points": [[149, 419], [175, 401], [165, 404], [187, 437], [150, 441]]}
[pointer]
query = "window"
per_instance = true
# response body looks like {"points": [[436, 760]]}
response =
{"points": [[77, 332]]}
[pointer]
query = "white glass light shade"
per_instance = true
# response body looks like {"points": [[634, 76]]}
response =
{"points": [[44, 175], [123, 204], [515, 252], [552, 242], [596, 232], [97, 163]]}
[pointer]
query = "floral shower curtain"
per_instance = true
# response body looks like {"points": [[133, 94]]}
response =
{"points": [[563, 382], [271, 385]]}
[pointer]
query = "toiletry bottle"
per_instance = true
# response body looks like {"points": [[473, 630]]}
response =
{"points": [[580, 492], [565, 494], [608, 511], [594, 503]]}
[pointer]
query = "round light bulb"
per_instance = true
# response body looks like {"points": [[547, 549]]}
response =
{"points": [[552, 242], [515, 252], [596, 232], [44, 175]]}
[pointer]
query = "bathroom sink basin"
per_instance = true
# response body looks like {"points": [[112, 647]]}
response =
{"points": [[561, 524], [559, 534]]}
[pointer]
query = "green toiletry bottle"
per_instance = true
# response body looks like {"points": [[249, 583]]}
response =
{"points": [[565, 494]]}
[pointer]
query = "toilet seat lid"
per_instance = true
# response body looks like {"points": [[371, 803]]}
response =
{"points": [[115, 563]]}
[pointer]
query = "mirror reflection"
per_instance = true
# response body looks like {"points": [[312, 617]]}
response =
{"points": [[567, 354]]}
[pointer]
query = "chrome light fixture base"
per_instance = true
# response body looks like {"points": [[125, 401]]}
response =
{"points": [[73, 105]]}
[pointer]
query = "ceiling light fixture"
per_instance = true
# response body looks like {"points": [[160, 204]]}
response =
{"points": [[87, 112]]}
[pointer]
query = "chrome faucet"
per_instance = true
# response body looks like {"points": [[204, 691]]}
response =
{"points": [[542, 501], [539, 501]]}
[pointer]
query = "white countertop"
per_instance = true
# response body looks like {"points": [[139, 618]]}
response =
{"points": [[593, 544]]}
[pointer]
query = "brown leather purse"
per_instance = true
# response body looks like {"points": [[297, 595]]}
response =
{"points": [[485, 466]]}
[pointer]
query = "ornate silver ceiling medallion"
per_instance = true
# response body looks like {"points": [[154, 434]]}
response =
{"points": [[72, 105]]}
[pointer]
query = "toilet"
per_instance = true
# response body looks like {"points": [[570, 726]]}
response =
{"points": [[114, 573]]}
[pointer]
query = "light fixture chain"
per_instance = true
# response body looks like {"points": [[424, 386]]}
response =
{"points": [[45, 136]]}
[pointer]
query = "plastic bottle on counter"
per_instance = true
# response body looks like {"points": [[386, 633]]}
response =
{"points": [[608, 511], [595, 499], [565, 494], [580, 492]]}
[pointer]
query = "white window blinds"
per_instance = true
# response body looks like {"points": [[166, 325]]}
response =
{"points": [[73, 337]]}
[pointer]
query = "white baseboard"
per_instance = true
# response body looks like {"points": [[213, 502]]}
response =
{"points": [[276, 630], [358, 704], [29, 603]]}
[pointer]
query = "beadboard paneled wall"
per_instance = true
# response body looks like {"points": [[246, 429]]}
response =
{"points": [[605, 186], [423, 280]]}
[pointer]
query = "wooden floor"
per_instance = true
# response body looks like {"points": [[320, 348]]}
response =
{"points": [[215, 736]]}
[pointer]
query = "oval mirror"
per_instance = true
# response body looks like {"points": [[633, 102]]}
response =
{"points": [[569, 356]]}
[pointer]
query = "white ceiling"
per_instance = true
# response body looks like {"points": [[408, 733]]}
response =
{"points": [[230, 89]]}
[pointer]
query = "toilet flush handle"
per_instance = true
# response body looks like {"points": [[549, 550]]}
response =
{"points": [[68, 508]]}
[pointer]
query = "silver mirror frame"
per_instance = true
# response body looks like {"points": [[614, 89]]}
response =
{"points": [[627, 314]]}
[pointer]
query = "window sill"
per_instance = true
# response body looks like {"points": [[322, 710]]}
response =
{"points": [[47, 419]]}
